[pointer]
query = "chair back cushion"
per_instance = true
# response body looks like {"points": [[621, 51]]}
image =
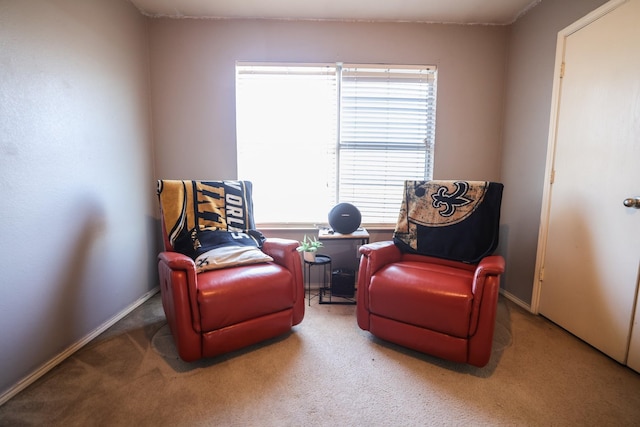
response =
{"points": [[457, 220]]}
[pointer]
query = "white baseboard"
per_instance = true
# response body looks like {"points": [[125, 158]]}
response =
{"points": [[46, 367], [516, 300]]}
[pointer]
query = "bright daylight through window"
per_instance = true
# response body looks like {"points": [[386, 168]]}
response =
{"points": [[310, 136]]}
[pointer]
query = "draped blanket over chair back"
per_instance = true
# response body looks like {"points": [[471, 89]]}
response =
{"points": [[457, 220], [211, 222], [214, 205]]}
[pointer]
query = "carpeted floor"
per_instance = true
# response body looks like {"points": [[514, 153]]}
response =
{"points": [[329, 372]]}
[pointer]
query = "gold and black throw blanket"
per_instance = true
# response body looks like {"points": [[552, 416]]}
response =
{"points": [[457, 220], [211, 222]]}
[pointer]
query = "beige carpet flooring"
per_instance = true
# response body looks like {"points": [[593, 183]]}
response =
{"points": [[327, 372]]}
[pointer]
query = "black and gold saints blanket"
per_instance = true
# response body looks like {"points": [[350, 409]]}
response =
{"points": [[457, 220], [211, 222]]}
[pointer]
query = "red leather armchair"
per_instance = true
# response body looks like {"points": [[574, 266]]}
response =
{"points": [[439, 307], [434, 288], [221, 310]]}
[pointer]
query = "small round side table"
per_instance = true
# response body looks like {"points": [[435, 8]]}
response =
{"points": [[321, 260]]}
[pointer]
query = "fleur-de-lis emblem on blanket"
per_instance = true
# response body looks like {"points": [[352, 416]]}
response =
{"points": [[450, 201], [439, 203]]}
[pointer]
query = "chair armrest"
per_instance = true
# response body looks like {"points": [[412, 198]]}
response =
{"points": [[281, 250], [378, 254], [485, 288], [489, 266], [177, 261], [284, 253], [373, 256], [179, 279]]}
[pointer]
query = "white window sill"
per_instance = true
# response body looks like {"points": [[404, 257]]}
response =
{"points": [[309, 226]]}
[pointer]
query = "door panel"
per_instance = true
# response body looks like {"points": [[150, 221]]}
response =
{"points": [[633, 359], [592, 254]]}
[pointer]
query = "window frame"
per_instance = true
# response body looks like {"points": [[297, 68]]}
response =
{"points": [[428, 141]]}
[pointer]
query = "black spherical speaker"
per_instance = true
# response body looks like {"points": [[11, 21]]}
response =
{"points": [[344, 218]]}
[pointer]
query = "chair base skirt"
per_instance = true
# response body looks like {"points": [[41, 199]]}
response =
{"points": [[423, 340], [246, 333]]}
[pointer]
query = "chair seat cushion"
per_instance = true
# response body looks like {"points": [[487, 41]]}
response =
{"points": [[234, 295], [430, 296]]}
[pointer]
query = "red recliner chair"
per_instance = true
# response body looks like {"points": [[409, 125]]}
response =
{"points": [[435, 288], [231, 296]]}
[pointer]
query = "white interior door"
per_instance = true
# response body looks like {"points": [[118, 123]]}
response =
{"points": [[591, 259]]}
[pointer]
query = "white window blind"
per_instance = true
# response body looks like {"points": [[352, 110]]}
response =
{"points": [[312, 135], [386, 136]]}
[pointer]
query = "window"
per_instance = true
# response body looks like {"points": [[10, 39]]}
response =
{"points": [[310, 136]]}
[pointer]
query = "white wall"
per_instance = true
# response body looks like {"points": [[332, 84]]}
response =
{"points": [[76, 179], [194, 96], [532, 49]]}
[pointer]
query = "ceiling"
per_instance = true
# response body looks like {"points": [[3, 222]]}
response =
{"points": [[496, 12]]}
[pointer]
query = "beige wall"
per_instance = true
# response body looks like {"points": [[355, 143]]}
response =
{"points": [[193, 90], [75, 175], [494, 94], [532, 48]]}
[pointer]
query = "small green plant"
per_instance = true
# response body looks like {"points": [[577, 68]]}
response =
{"points": [[309, 244]]}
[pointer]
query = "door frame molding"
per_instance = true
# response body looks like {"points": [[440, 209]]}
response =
{"points": [[551, 141]]}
